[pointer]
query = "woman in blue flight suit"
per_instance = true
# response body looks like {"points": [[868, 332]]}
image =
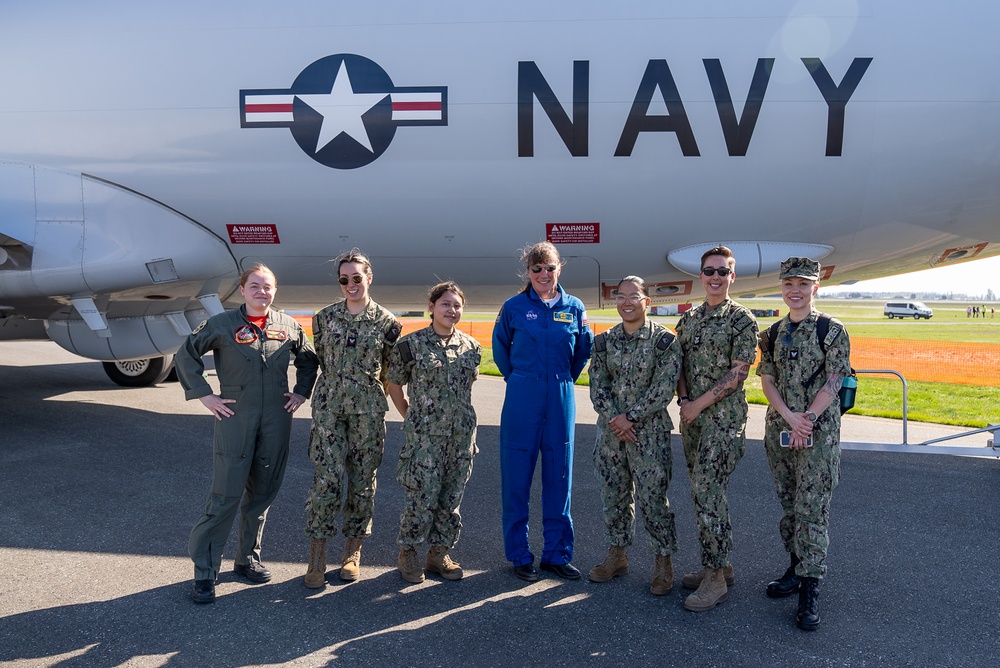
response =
{"points": [[541, 343]]}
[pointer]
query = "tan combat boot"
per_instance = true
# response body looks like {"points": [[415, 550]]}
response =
{"points": [[710, 592], [409, 566], [663, 576], [615, 564], [438, 561], [350, 567], [693, 580], [316, 573]]}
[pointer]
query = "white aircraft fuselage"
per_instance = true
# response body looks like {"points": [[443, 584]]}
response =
{"points": [[148, 152]]}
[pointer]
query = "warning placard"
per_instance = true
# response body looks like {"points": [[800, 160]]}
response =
{"points": [[253, 234], [573, 233]]}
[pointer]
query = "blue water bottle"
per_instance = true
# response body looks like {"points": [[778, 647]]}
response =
{"points": [[847, 392]]}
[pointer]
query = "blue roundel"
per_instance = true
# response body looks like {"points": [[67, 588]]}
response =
{"points": [[343, 111]]}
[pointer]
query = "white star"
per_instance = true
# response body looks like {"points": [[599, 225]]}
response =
{"points": [[342, 110]]}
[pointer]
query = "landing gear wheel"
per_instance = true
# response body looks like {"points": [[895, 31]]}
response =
{"points": [[140, 373]]}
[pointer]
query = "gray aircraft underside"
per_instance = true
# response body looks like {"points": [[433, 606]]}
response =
{"points": [[148, 152]]}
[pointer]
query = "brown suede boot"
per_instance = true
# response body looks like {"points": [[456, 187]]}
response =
{"points": [[663, 576], [409, 566], [316, 573], [615, 564], [693, 580], [439, 562], [710, 592], [350, 568]]}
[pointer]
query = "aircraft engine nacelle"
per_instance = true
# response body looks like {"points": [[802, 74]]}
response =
{"points": [[127, 338], [80, 237]]}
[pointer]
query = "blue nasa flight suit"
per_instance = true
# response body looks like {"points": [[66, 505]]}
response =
{"points": [[540, 351]]}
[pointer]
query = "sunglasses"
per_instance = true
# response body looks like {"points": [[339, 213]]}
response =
{"points": [[711, 271], [537, 269], [357, 278]]}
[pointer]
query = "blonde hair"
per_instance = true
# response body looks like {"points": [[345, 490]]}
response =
{"points": [[258, 268]]}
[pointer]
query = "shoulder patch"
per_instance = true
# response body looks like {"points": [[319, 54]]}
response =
{"points": [[600, 343], [200, 327], [392, 333], [405, 353], [831, 336], [665, 341], [745, 320]]}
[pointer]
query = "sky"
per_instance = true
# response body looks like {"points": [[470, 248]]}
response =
{"points": [[971, 278]]}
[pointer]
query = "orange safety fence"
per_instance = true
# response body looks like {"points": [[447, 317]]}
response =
{"points": [[929, 361], [480, 330]]}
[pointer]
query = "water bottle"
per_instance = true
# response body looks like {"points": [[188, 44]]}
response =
{"points": [[847, 392]]}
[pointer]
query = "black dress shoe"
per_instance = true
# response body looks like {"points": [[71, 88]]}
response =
{"points": [[566, 571], [255, 572], [204, 591], [527, 572]]}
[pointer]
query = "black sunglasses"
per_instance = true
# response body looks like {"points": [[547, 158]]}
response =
{"points": [[711, 271], [537, 269], [357, 278]]}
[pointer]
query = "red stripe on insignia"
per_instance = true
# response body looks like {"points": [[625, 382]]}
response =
{"points": [[416, 106], [268, 108]]}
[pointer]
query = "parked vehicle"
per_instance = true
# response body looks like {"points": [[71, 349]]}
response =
{"points": [[915, 310]]}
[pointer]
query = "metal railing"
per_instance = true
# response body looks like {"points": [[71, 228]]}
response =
{"points": [[992, 448]]}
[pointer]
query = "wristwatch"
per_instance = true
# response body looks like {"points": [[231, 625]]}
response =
{"points": [[680, 399], [630, 416], [811, 416]]}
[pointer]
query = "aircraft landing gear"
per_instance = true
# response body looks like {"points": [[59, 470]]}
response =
{"points": [[140, 373]]}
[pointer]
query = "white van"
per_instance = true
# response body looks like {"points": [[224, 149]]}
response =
{"points": [[915, 310]]}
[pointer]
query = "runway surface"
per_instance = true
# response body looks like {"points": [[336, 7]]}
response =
{"points": [[99, 488]]}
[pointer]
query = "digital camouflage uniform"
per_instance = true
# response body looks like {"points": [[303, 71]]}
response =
{"points": [[635, 374], [348, 430], [805, 479], [712, 339], [440, 427], [250, 446]]}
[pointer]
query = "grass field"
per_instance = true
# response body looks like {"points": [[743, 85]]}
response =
{"points": [[881, 396]]}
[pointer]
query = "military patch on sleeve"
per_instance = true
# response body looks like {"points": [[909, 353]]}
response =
{"points": [[199, 327], [831, 336], [585, 319], [600, 343], [744, 322], [405, 353], [392, 333], [665, 341]]}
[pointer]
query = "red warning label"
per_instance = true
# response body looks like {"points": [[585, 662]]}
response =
{"points": [[253, 234], [573, 233]]}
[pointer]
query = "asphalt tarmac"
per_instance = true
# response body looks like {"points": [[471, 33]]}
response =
{"points": [[100, 486]]}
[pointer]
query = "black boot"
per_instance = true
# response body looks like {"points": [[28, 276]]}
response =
{"points": [[808, 615], [787, 584]]}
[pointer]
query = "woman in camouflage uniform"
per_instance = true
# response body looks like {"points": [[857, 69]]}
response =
{"points": [[439, 364], [353, 339], [801, 377]]}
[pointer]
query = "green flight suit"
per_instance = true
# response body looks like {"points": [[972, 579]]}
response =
{"points": [[251, 446]]}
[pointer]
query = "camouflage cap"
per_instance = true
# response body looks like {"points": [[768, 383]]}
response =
{"points": [[800, 266]]}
